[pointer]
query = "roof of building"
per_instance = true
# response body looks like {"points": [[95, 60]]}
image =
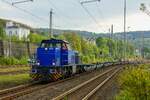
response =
{"points": [[13, 27], [19, 23]]}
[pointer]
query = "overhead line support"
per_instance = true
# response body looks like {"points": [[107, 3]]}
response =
{"points": [[89, 1], [21, 1], [50, 23]]}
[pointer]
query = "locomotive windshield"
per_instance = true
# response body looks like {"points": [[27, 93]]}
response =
{"points": [[50, 45], [54, 43]]}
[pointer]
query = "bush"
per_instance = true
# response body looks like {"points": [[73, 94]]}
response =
{"points": [[13, 61], [135, 84]]}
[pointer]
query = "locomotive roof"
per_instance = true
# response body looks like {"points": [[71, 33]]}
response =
{"points": [[55, 41]]}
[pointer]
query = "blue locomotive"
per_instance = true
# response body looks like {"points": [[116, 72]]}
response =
{"points": [[54, 60]]}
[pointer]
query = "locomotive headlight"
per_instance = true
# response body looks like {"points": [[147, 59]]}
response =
{"points": [[46, 49], [38, 63], [53, 64]]}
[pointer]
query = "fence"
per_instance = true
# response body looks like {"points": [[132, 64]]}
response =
{"points": [[17, 48]]}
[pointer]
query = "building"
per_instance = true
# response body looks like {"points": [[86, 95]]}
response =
{"points": [[17, 29], [92, 40]]}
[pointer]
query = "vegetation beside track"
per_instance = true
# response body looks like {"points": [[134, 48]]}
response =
{"points": [[7, 81], [13, 61], [13, 69], [135, 83]]}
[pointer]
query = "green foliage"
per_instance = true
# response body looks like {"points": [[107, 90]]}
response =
{"points": [[13, 61], [104, 50], [33, 37], [114, 48], [2, 33], [88, 52], [135, 83]]}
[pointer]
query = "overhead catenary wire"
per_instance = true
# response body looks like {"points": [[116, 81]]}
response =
{"points": [[99, 11], [91, 16], [58, 10], [25, 11]]}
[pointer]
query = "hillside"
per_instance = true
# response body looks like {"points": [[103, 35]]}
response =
{"points": [[44, 31], [131, 35]]}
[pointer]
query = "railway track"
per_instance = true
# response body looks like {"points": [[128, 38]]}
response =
{"points": [[10, 94], [15, 92], [85, 90], [22, 90]]}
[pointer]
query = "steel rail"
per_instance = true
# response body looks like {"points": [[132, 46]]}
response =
{"points": [[5, 91], [30, 90], [100, 85], [61, 96]]}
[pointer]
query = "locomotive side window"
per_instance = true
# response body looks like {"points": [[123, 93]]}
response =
{"points": [[64, 46], [58, 45]]}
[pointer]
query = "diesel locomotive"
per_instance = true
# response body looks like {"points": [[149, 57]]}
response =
{"points": [[54, 60]]}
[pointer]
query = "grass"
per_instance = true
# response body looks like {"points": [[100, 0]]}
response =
{"points": [[13, 61], [14, 69], [7, 81], [135, 83]]}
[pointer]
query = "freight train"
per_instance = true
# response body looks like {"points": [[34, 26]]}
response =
{"points": [[55, 60]]}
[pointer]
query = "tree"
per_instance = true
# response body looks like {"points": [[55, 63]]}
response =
{"points": [[2, 33], [34, 37]]}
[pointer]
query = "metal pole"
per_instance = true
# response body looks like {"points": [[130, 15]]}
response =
{"points": [[10, 44], [142, 50], [127, 40], [125, 29], [111, 34], [112, 31], [50, 24]]}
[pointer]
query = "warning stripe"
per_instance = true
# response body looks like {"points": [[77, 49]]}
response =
{"points": [[53, 77], [57, 77]]}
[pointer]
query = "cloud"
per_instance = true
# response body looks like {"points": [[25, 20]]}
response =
{"points": [[5, 8], [137, 21]]}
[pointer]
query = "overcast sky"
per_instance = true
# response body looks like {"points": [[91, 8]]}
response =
{"points": [[68, 14]]}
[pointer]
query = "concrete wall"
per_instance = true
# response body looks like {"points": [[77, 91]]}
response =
{"points": [[17, 49]]}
